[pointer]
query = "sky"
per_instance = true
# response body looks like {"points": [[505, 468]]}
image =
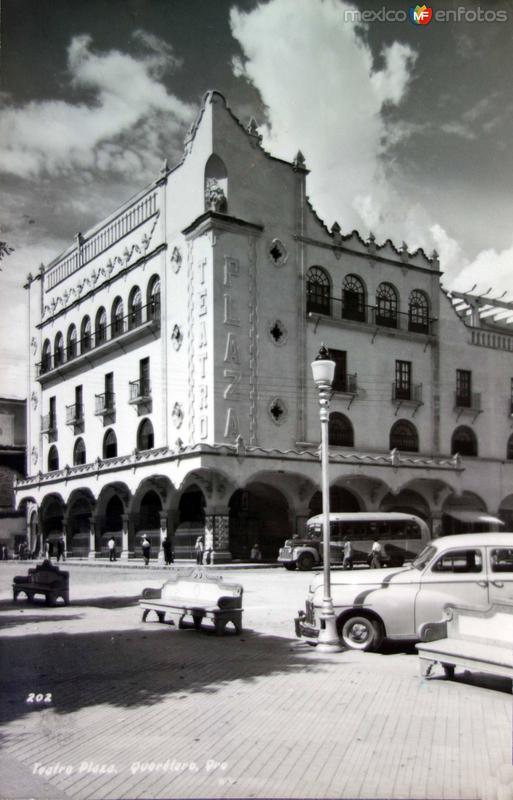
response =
{"points": [[406, 128]]}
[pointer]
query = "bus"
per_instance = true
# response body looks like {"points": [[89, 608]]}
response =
{"points": [[402, 537]]}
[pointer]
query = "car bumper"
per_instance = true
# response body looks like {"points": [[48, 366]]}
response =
{"points": [[304, 629]]}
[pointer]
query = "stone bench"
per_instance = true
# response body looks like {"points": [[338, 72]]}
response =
{"points": [[477, 639], [196, 594], [45, 579]]}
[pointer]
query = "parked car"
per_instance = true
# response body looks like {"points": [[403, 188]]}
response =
{"points": [[470, 569]]}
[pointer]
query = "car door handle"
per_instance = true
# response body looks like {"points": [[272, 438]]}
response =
{"points": [[482, 583], [499, 584]]}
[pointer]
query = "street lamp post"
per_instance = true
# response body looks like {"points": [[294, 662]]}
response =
{"points": [[323, 370]]}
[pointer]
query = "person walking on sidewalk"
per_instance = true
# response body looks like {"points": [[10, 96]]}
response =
{"points": [[61, 548], [376, 555], [198, 548], [209, 542], [347, 563], [146, 549], [168, 551], [111, 544]]}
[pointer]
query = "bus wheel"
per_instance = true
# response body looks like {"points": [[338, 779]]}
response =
{"points": [[290, 566], [305, 561], [361, 633]]}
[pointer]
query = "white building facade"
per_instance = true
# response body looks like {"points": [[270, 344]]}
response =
{"points": [[170, 380]]}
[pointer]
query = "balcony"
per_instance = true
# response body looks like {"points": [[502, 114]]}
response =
{"points": [[49, 425], [75, 414], [346, 385], [376, 316], [408, 394], [468, 403], [121, 331], [104, 404], [140, 394]]}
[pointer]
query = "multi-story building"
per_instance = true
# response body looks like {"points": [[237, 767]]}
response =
{"points": [[170, 381], [13, 440]]}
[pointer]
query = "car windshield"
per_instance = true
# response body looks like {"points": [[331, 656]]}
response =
{"points": [[425, 556]]}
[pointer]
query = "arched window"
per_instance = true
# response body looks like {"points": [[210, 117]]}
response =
{"points": [[100, 328], [46, 357], [353, 298], [71, 344], [58, 350], [340, 431], [53, 459], [85, 335], [154, 298], [318, 291], [110, 444], [418, 312], [386, 306], [404, 436], [216, 185], [79, 452], [117, 317], [135, 308], [145, 438], [464, 441]]}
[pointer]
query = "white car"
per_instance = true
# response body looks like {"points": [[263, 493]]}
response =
{"points": [[470, 569]]}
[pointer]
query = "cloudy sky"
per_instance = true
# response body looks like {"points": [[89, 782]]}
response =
{"points": [[407, 129]]}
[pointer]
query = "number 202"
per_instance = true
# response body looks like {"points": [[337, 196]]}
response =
{"points": [[39, 698]]}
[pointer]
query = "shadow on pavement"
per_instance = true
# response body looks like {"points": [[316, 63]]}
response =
{"points": [[8, 621], [108, 601], [137, 666]]}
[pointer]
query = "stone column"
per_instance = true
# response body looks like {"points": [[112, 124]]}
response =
{"points": [[436, 523], [163, 534], [126, 519], [219, 517], [301, 516], [93, 530]]}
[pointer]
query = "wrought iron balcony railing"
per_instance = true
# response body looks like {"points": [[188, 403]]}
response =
{"points": [[140, 390], [347, 384], [406, 392], [75, 414], [138, 316], [104, 403], [414, 321]]}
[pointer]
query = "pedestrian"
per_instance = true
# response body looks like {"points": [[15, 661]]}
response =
{"points": [[47, 554], [209, 542], [347, 562], [168, 551], [146, 549], [375, 554], [256, 553], [111, 544], [61, 548], [198, 547]]}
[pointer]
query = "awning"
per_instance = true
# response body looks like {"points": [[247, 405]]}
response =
{"points": [[473, 516]]}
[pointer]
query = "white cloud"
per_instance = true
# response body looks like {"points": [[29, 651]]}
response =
{"points": [[126, 126], [329, 99], [490, 268], [332, 102]]}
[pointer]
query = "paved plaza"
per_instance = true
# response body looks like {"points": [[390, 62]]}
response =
{"points": [[133, 710]]}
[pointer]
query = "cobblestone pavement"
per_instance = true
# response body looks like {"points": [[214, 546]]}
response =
{"points": [[144, 711]]}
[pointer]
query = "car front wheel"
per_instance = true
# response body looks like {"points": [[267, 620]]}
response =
{"points": [[361, 633], [305, 561]]}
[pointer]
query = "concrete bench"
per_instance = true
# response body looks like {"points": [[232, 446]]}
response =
{"points": [[196, 594], [45, 579], [478, 639]]}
